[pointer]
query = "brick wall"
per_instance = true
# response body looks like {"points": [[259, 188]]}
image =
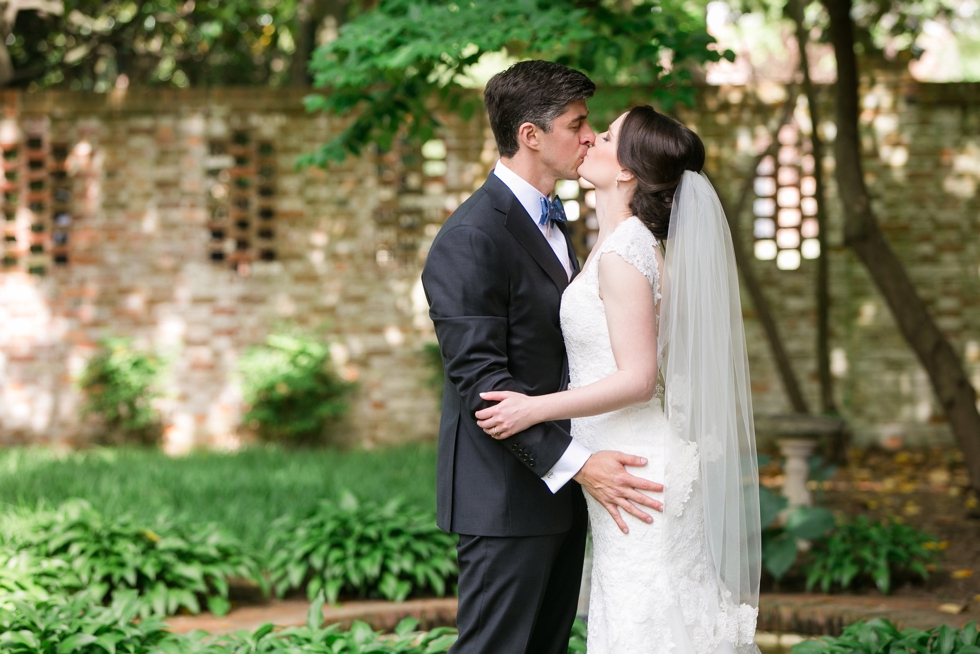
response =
{"points": [[179, 219]]}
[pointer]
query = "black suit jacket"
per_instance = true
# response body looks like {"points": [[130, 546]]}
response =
{"points": [[494, 288]]}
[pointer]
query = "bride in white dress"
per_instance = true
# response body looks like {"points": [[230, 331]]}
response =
{"points": [[656, 308]]}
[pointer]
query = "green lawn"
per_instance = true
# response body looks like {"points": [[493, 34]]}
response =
{"points": [[243, 491]]}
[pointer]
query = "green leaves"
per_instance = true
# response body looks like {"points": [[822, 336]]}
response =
{"points": [[170, 566], [881, 637], [862, 552], [292, 389], [770, 505], [367, 550], [809, 523], [390, 64], [579, 636], [66, 626], [167, 42], [780, 542], [78, 624], [119, 383], [855, 553]]}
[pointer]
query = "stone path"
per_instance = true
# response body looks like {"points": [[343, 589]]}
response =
{"points": [[811, 614]]}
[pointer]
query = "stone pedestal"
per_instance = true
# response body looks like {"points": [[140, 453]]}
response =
{"points": [[796, 452]]}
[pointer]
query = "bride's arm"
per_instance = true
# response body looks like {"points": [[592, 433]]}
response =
{"points": [[631, 318]]}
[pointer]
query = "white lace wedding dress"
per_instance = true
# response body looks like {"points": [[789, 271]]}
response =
{"points": [[653, 590]]}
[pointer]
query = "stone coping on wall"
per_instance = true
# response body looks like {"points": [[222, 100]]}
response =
{"points": [[60, 103]]}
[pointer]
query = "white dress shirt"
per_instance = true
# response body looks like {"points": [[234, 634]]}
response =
{"points": [[576, 454]]}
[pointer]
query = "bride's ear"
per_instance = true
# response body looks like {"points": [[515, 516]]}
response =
{"points": [[624, 176]]}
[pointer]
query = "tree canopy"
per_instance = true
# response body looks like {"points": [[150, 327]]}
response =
{"points": [[100, 44], [387, 65]]}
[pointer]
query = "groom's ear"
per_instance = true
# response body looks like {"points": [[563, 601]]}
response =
{"points": [[529, 135]]}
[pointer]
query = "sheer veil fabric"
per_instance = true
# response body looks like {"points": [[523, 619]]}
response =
{"points": [[707, 394]]}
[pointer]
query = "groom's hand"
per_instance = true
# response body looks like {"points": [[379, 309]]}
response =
{"points": [[606, 479]]}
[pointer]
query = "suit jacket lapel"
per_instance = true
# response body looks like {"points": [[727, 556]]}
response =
{"points": [[572, 257], [525, 231]]}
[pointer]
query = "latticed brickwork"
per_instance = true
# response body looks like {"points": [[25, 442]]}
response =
{"points": [[178, 218]]}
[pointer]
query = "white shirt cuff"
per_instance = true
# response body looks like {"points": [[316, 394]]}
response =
{"points": [[567, 466]]}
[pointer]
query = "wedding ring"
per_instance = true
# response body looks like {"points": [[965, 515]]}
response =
{"points": [[495, 432]]}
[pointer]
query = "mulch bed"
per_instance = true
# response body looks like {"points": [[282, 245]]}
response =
{"points": [[927, 489]]}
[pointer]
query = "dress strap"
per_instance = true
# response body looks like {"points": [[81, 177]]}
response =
{"points": [[638, 247]]}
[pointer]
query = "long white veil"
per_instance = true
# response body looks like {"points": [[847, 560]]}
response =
{"points": [[708, 398]]}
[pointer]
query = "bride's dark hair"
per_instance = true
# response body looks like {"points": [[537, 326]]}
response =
{"points": [[657, 150]]}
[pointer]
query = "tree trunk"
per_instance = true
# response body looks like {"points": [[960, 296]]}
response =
{"points": [[310, 15], [744, 262], [303, 38], [827, 405], [862, 234]]}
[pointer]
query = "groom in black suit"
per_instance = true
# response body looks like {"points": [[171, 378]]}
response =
{"points": [[494, 278]]}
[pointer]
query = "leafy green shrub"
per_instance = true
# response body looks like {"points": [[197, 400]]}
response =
{"points": [[120, 384], [881, 637], [292, 389], [79, 624], [780, 542], [861, 551], [26, 578], [367, 550], [170, 567], [314, 637]]}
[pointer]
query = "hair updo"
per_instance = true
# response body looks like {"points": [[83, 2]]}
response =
{"points": [[656, 150]]}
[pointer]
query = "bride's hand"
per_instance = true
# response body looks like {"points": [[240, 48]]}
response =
{"points": [[513, 413]]}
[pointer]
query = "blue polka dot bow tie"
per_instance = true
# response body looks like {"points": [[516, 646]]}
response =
{"points": [[552, 211]]}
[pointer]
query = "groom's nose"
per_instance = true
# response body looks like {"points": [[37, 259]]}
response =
{"points": [[588, 137]]}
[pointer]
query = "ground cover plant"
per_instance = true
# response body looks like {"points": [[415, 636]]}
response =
{"points": [[79, 624], [781, 539], [367, 550], [171, 566], [882, 637], [60, 626], [317, 637], [860, 552], [293, 390], [244, 492], [27, 578], [120, 383]]}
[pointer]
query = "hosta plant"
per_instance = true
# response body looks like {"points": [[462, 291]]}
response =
{"points": [[79, 624], [781, 539], [315, 637], [172, 567], [861, 552], [882, 637], [365, 550], [25, 577]]}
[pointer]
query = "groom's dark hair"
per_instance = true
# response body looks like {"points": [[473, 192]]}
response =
{"points": [[531, 92]]}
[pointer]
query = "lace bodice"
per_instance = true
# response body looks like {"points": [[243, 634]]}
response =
{"points": [[654, 590], [583, 316]]}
